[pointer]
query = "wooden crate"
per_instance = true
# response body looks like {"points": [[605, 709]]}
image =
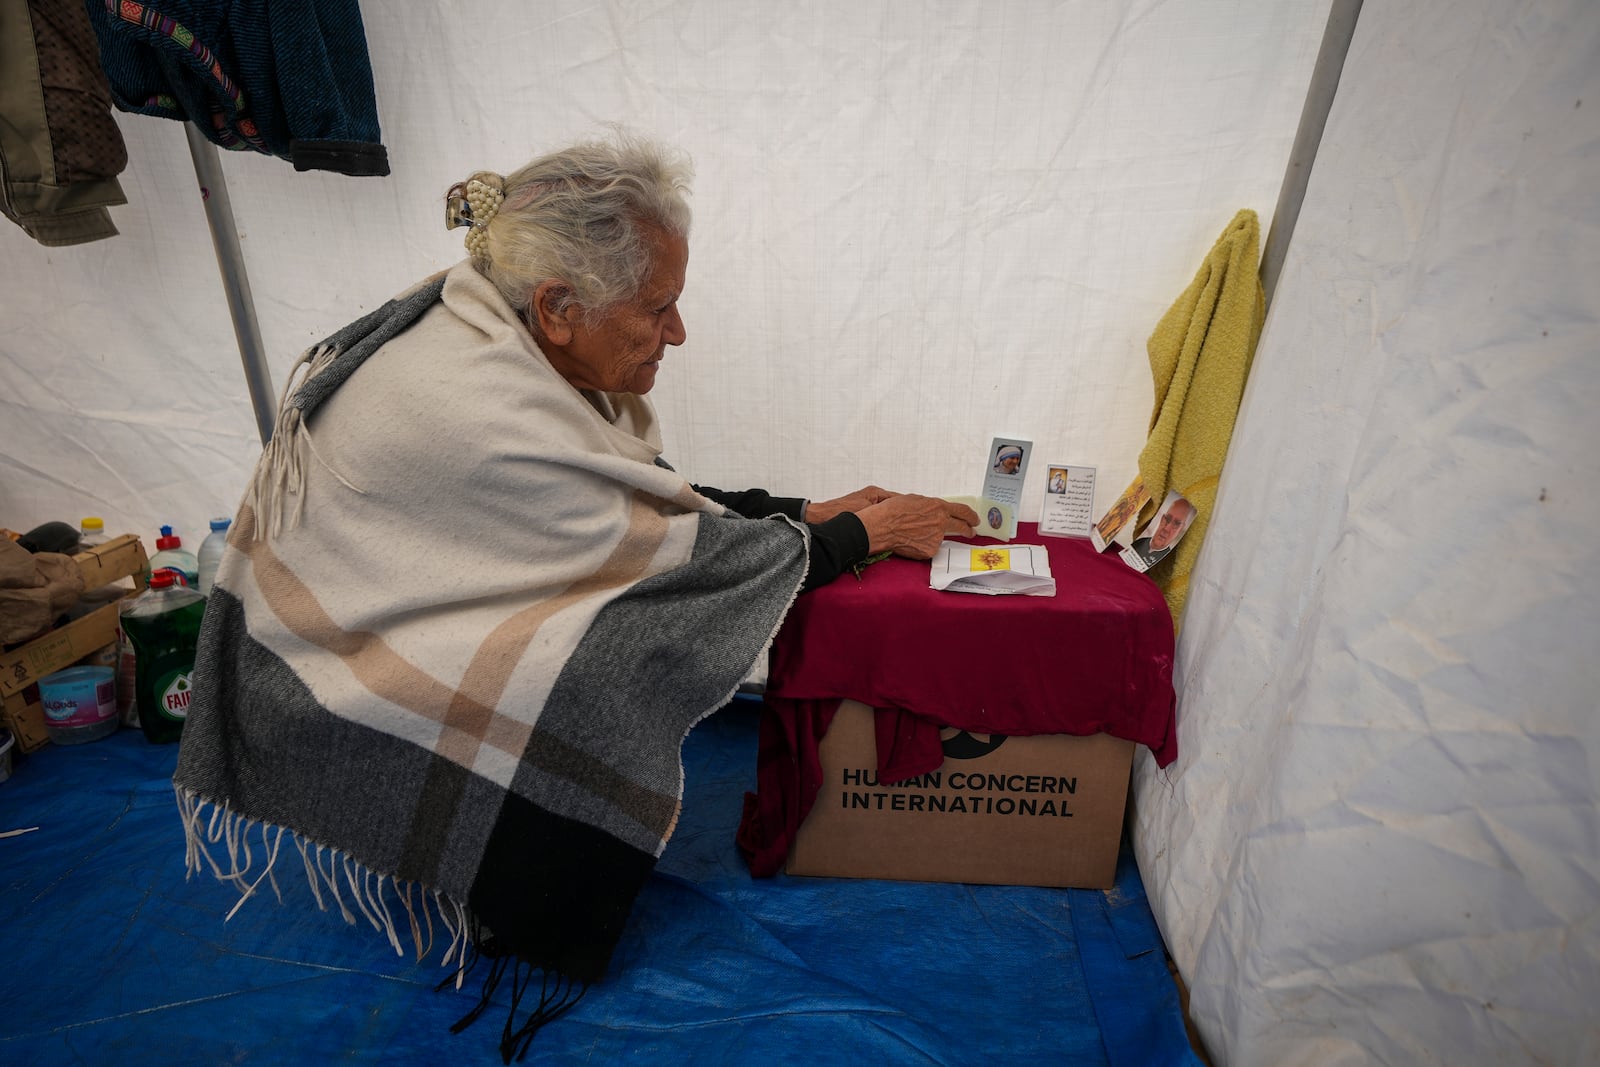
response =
{"points": [[20, 669]]}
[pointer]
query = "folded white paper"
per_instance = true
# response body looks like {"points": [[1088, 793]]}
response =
{"points": [[994, 569]]}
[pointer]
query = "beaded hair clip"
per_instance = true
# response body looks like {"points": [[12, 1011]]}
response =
{"points": [[472, 204]]}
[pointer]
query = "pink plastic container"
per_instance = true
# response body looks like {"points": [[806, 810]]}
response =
{"points": [[80, 704]]}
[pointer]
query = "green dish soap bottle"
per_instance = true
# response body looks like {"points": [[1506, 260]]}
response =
{"points": [[163, 623]]}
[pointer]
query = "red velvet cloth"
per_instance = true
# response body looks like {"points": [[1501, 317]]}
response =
{"points": [[1094, 658]]}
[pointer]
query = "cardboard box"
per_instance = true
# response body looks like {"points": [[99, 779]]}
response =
{"points": [[1044, 810], [20, 669]]}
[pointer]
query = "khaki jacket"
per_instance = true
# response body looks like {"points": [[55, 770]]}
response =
{"points": [[60, 149]]}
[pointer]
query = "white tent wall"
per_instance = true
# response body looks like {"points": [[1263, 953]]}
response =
{"points": [[1380, 841], [917, 226]]}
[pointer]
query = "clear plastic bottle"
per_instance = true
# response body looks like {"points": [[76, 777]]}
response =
{"points": [[91, 532], [164, 625], [170, 553], [210, 554]]}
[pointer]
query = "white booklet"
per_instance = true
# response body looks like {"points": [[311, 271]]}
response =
{"points": [[993, 569]]}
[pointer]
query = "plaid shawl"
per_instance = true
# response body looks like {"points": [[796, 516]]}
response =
{"points": [[459, 674]]}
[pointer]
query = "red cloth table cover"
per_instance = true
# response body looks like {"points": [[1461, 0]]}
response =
{"points": [[1095, 658]]}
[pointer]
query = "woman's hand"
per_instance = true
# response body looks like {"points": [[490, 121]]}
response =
{"points": [[913, 526], [857, 501]]}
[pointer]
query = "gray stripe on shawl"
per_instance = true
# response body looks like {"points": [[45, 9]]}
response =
{"points": [[279, 757], [694, 633], [360, 339]]}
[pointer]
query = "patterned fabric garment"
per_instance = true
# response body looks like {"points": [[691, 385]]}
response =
{"points": [[462, 626], [289, 78], [60, 149]]}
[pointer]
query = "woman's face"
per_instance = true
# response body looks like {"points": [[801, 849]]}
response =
{"points": [[621, 350]]}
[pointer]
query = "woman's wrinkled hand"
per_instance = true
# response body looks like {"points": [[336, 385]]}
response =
{"points": [[857, 501], [912, 526]]}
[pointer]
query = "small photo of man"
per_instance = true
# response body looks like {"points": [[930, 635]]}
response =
{"points": [[1164, 531]]}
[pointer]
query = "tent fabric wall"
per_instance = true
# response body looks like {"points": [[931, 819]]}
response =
{"points": [[916, 231], [1380, 841], [916, 227]]}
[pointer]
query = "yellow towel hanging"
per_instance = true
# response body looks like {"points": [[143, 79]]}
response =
{"points": [[1200, 356]]}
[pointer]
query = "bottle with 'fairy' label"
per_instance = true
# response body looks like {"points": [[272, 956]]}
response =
{"points": [[163, 623]]}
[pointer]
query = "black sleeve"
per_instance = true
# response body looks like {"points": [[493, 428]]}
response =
{"points": [[836, 545], [756, 503]]}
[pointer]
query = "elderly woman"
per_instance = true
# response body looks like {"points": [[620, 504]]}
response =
{"points": [[468, 613]]}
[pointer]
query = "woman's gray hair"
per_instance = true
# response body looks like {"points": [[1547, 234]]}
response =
{"points": [[575, 217]]}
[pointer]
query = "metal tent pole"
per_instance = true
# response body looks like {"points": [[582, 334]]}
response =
{"points": [[230, 261], [1313, 117]]}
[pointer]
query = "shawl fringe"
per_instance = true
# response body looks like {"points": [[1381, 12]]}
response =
{"points": [[219, 838], [280, 473], [224, 841], [558, 993], [326, 365]]}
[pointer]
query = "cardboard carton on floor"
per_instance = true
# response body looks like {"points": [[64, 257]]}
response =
{"points": [[1044, 810]]}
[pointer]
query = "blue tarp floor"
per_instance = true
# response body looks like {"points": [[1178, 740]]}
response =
{"points": [[111, 957]]}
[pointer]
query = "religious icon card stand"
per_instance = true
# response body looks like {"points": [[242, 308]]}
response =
{"points": [[1005, 469], [1068, 501], [1115, 525]]}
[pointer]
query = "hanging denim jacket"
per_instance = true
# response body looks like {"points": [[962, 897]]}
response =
{"points": [[289, 78]]}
